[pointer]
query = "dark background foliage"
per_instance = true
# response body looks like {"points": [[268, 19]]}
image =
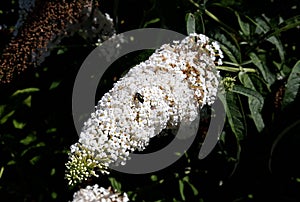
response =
{"points": [[36, 126]]}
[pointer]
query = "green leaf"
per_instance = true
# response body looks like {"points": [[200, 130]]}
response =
{"points": [[275, 41], [255, 100], [154, 178], [34, 160], [115, 184], [53, 171], [11, 162], [26, 90], [229, 54], [263, 26], [18, 125], [190, 23], [2, 107], [61, 51], [292, 86], [54, 85], [27, 101], [1, 171], [267, 75], [266, 32], [29, 139], [245, 27], [155, 20], [195, 191], [232, 50], [54, 195], [235, 114], [5, 117], [288, 24], [181, 189]]}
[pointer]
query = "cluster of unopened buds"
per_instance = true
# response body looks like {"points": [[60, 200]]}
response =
{"points": [[160, 93]]}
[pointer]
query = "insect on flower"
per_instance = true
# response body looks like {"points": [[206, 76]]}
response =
{"points": [[139, 97]]}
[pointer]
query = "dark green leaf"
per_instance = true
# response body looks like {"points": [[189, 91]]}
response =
{"points": [[231, 50], [274, 40], [229, 54], [267, 75], [34, 160], [292, 86], [290, 23], [235, 114], [263, 26], [245, 27], [54, 84], [2, 107], [255, 99]]}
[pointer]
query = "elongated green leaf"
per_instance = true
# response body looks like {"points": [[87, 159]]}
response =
{"points": [[54, 85], [231, 50], [265, 27], [292, 86], [1, 171], [255, 100], [187, 180], [26, 90], [267, 75], [2, 107], [115, 184], [155, 20], [245, 27], [290, 23], [190, 23], [235, 114], [229, 54], [274, 40], [181, 189], [5, 117], [267, 32], [261, 25]]}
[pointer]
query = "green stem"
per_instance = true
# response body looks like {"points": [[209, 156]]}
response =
{"points": [[194, 3], [235, 69]]}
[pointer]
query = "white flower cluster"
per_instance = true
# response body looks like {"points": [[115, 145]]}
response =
{"points": [[98, 194], [159, 93]]}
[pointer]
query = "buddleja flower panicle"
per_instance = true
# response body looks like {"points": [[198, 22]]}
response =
{"points": [[159, 93]]}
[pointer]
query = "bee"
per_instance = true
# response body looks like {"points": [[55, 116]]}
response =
{"points": [[139, 97]]}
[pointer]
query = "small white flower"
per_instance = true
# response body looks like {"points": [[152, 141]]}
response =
{"points": [[95, 193]]}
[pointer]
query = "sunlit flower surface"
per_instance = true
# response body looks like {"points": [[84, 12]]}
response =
{"points": [[159, 93]]}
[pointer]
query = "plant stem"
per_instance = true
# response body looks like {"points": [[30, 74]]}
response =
{"points": [[235, 69]]}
